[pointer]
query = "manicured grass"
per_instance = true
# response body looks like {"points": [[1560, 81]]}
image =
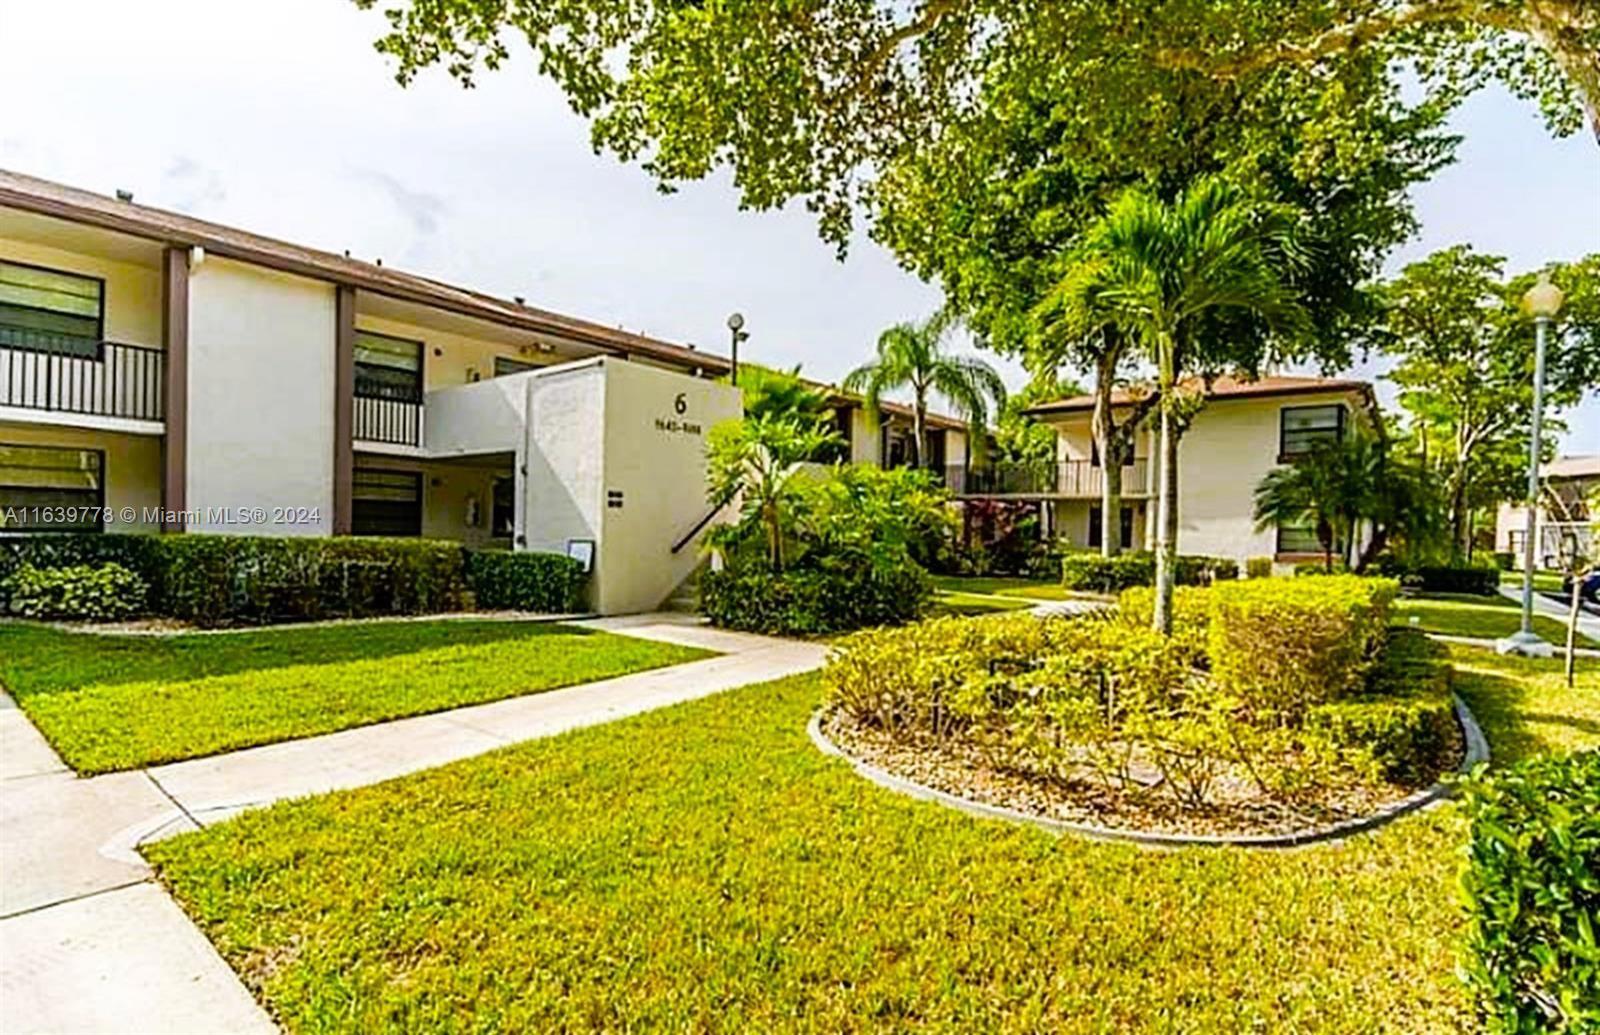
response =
{"points": [[947, 603], [1543, 581], [1483, 617], [117, 702], [705, 868], [1003, 586]]}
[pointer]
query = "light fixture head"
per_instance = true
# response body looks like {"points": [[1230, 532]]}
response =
{"points": [[736, 322], [1544, 299]]}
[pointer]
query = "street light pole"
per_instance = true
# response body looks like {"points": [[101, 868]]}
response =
{"points": [[1542, 301], [737, 333]]}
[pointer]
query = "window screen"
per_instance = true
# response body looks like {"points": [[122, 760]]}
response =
{"points": [[45, 489], [386, 502], [388, 367], [50, 311]]}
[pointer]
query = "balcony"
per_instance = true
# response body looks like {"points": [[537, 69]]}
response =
{"points": [[1058, 479], [388, 409], [67, 374]]}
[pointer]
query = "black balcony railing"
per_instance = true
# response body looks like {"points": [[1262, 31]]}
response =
{"points": [[393, 421], [1071, 479], [69, 374]]}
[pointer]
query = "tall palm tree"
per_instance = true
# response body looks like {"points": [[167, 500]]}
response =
{"points": [[1321, 489], [1182, 279], [913, 355]]}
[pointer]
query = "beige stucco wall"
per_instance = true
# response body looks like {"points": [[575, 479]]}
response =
{"points": [[656, 424], [449, 358], [261, 373], [132, 468], [1230, 447], [132, 292]]}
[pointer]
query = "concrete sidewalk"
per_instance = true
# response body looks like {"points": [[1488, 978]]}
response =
{"points": [[1588, 625], [90, 943]]}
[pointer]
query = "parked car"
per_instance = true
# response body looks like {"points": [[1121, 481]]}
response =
{"points": [[1588, 588]]}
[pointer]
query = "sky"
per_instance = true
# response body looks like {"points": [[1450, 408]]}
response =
{"points": [[280, 118]]}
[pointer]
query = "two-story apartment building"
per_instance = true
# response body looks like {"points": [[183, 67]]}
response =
{"points": [[164, 373], [1245, 429], [1568, 524]]}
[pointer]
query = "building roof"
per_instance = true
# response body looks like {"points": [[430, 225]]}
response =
{"points": [[1224, 387], [1587, 466], [46, 197]]}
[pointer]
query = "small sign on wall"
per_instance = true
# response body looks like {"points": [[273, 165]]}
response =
{"points": [[614, 499], [677, 424], [582, 551]]}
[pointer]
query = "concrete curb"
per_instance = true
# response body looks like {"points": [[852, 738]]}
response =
{"points": [[1477, 751]]}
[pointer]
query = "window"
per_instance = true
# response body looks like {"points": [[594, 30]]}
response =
{"points": [[45, 489], [388, 367], [505, 365], [503, 514], [1302, 428], [1124, 527], [386, 502], [51, 311], [1300, 537]]}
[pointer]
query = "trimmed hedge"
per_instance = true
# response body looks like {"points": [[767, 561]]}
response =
{"points": [[106, 592], [1282, 645], [1404, 723], [215, 580], [1483, 582], [546, 582], [1090, 572], [812, 602], [1532, 888]]}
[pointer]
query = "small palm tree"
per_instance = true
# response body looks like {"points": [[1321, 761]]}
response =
{"points": [[757, 458], [912, 355], [1183, 279], [1317, 489]]}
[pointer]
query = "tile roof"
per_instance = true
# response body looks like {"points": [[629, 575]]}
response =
{"points": [[1224, 387]]}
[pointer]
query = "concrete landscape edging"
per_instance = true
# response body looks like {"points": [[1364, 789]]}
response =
{"points": [[1477, 752]]}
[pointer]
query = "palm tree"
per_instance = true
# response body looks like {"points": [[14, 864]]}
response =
{"points": [[757, 458], [1183, 279], [912, 355], [1317, 489]]}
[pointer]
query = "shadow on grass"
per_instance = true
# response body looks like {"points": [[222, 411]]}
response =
{"points": [[1525, 706], [36, 659]]}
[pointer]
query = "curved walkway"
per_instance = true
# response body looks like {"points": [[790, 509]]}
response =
{"points": [[90, 943]]}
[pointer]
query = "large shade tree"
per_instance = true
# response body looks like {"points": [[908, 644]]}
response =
{"points": [[810, 99], [915, 357], [1202, 283], [1464, 354]]}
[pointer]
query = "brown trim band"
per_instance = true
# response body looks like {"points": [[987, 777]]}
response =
{"points": [[175, 338]]}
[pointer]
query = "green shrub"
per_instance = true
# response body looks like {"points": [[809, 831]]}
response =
{"points": [[1403, 725], [1191, 618], [1092, 573], [1282, 645], [1258, 567], [1483, 582], [1532, 888], [221, 580], [812, 601], [545, 582], [140, 554], [106, 592], [1505, 560]]}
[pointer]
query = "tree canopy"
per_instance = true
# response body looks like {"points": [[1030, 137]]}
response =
{"points": [[812, 99]]}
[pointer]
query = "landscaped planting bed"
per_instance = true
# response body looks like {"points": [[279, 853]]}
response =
{"points": [[704, 868], [121, 701], [1275, 709]]}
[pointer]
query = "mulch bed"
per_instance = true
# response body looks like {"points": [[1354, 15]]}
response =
{"points": [[1238, 807]]}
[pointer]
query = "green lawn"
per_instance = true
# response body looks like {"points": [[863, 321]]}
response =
{"points": [[1543, 581], [118, 702], [705, 868], [948, 603], [1484, 617], [1002, 586]]}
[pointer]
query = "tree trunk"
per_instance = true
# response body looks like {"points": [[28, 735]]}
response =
{"points": [[919, 429], [1167, 527], [1572, 624], [1107, 440]]}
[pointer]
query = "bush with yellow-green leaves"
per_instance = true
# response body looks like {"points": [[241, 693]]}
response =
{"points": [[1297, 690]]}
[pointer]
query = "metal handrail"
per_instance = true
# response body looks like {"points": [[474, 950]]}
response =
{"points": [[42, 370]]}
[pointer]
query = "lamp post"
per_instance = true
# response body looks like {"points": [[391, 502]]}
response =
{"points": [[737, 333], [1542, 302]]}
